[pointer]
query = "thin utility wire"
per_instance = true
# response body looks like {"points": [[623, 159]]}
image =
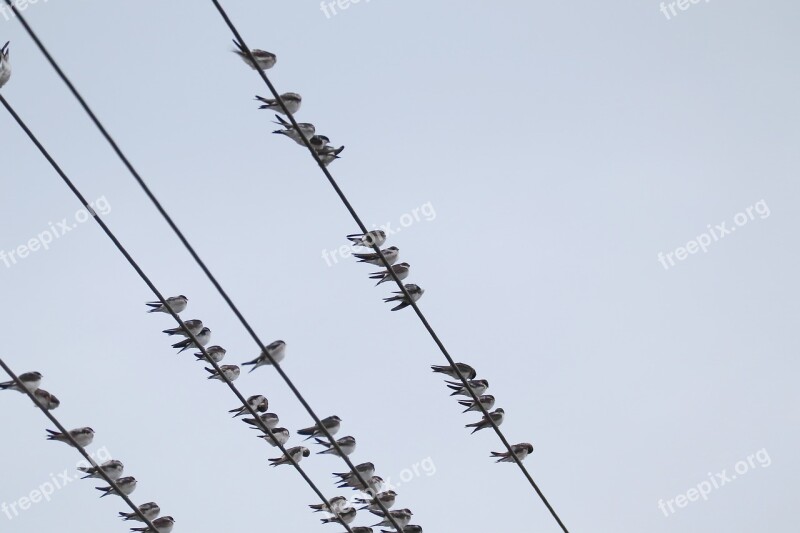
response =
{"points": [[75, 444], [388, 266], [163, 301], [115, 147]]}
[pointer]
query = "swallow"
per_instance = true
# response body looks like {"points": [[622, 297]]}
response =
{"points": [[369, 239], [319, 143], [279, 436], [229, 371], [347, 444], [386, 498], [336, 504], [478, 386], [364, 530], [264, 60], [345, 516], [306, 130], [270, 420], [367, 470], [163, 525], [401, 271], [326, 158], [30, 380], [176, 303], [203, 337], [113, 469], [46, 400], [195, 326], [407, 529], [487, 402], [257, 403], [415, 291], [5, 64], [460, 370], [521, 450], [332, 424], [216, 353], [374, 485], [292, 102], [275, 352], [497, 416], [401, 516], [297, 453], [390, 254], [83, 436], [150, 510], [126, 485]]}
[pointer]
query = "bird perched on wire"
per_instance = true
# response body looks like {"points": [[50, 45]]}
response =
{"points": [[297, 453], [264, 60], [521, 450], [292, 102], [406, 529], [347, 445], [150, 510], [345, 516], [195, 326], [497, 416], [203, 338], [46, 400], [163, 525], [332, 424], [401, 516], [215, 353], [275, 352], [30, 380], [386, 498], [5, 64], [391, 254], [336, 504], [271, 420], [367, 470], [369, 239], [113, 469], [306, 130], [460, 370], [401, 271], [279, 436], [478, 386], [374, 485], [126, 486], [415, 291], [176, 303], [486, 401], [229, 371], [83, 436], [328, 155], [257, 403]]}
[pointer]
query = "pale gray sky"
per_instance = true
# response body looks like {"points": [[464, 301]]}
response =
{"points": [[561, 146]]}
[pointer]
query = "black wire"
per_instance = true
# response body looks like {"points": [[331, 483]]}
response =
{"points": [[163, 301], [386, 263], [75, 444]]}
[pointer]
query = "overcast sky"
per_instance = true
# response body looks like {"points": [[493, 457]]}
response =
{"points": [[551, 151]]}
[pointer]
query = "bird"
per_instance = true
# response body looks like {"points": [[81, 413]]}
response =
{"points": [[497, 416], [390, 254], [326, 158], [297, 453], [401, 516], [162, 525], [229, 371], [46, 400], [487, 401], [30, 380], [365, 530], [126, 486], [176, 303], [195, 326], [345, 516], [367, 470], [275, 352], [113, 469], [150, 510], [270, 420], [521, 450], [478, 386], [279, 436], [203, 337], [332, 424], [5, 64], [373, 486], [264, 60], [306, 130], [292, 102], [457, 371], [83, 436], [347, 444], [369, 239], [386, 498], [215, 353], [415, 291], [257, 403], [319, 143], [336, 504], [407, 529], [401, 271]]}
